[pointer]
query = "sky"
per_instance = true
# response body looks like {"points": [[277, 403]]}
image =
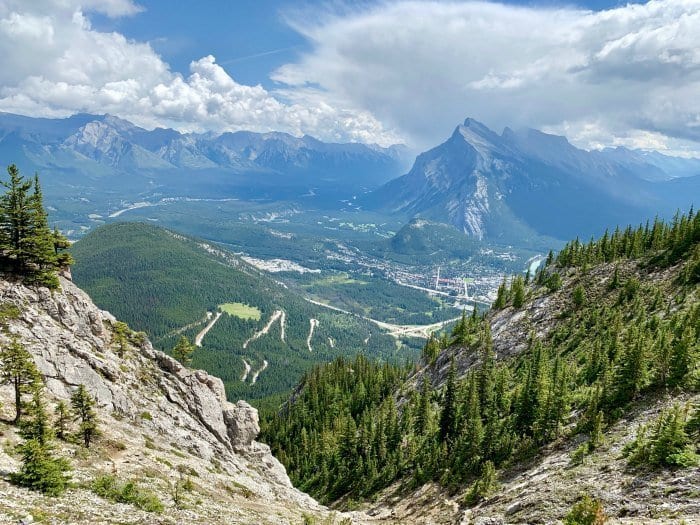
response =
{"points": [[603, 73]]}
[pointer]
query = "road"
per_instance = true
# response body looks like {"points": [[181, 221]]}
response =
{"points": [[200, 335], [395, 330]]}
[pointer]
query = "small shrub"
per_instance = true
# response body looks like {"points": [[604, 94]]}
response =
{"points": [[110, 488], [554, 282], [484, 486], [579, 455], [587, 511], [146, 415]]}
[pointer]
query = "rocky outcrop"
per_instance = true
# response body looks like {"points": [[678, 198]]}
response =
{"points": [[159, 418]]}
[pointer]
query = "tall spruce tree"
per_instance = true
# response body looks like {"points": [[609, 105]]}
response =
{"points": [[83, 408], [15, 217], [448, 416], [26, 241], [39, 470], [17, 368]]}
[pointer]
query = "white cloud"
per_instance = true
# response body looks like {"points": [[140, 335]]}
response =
{"points": [[401, 70], [56, 64], [422, 66]]}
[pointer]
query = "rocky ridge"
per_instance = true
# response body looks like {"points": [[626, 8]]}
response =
{"points": [[160, 421]]}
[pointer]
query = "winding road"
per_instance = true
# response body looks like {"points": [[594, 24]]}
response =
{"points": [[200, 335], [313, 323], [277, 314], [421, 331]]}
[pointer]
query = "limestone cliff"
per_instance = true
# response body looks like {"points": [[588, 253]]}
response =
{"points": [[160, 421]]}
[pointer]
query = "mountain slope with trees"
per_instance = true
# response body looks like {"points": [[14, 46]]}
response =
{"points": [[107, 431], [164, 283], [589, 372]]}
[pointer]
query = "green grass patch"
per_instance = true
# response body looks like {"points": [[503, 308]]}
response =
{"points": [[240, 310], [341, 278]]}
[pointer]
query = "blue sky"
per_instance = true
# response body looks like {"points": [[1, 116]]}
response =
{"points": [[603, 73]]}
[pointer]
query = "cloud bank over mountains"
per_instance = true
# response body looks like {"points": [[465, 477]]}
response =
{"points": [[384, 72], [56, 64]]}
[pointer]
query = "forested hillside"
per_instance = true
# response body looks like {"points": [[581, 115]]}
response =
{"points": [[605, 330], [164, 283]]}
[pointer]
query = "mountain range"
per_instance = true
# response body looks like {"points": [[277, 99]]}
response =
{"points": [[520, 187], [89, 151], [526, 183]]}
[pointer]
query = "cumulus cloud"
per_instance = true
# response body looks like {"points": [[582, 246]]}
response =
{"points": [[617, 76], [405, 70], [56, 64]]}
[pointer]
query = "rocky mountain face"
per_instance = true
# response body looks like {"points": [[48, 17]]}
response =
{"points": [[102, 157], [117, 143], [521, 184], [158, 421]]}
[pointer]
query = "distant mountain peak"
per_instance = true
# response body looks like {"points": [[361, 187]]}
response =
{"points": [[525, 182]]}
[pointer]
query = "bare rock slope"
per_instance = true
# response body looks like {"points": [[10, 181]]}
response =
{"points": [[160, 423]]}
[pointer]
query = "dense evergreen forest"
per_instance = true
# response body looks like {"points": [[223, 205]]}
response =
{"points": [[627, 328], [164, 283], [28, 247]]}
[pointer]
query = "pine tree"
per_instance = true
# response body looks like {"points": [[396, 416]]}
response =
{"points": [[39, 241], [15, 217], [83, 403], [183, 351], [36, 424], [18, 369], [448, 415], [63, 418], [517, 292], [683, 354], [422, 418], [469, 448], [25, 237], [40, 470], [120, 332], [431, 350], [501, 296], [631, 373], [579, 296]]}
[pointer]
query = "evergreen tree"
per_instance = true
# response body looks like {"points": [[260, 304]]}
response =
{"points": [[631, 371], [120, 337], [579, 296], [501, 296], [517, 292], [39, 241], [63, 418], [422, 419], [15, 217], [683, 354], [40, 470], [431, 350], [60, 244], [25, 238], [448, 415], [83, 408], [183, 351], [18, 369]]}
